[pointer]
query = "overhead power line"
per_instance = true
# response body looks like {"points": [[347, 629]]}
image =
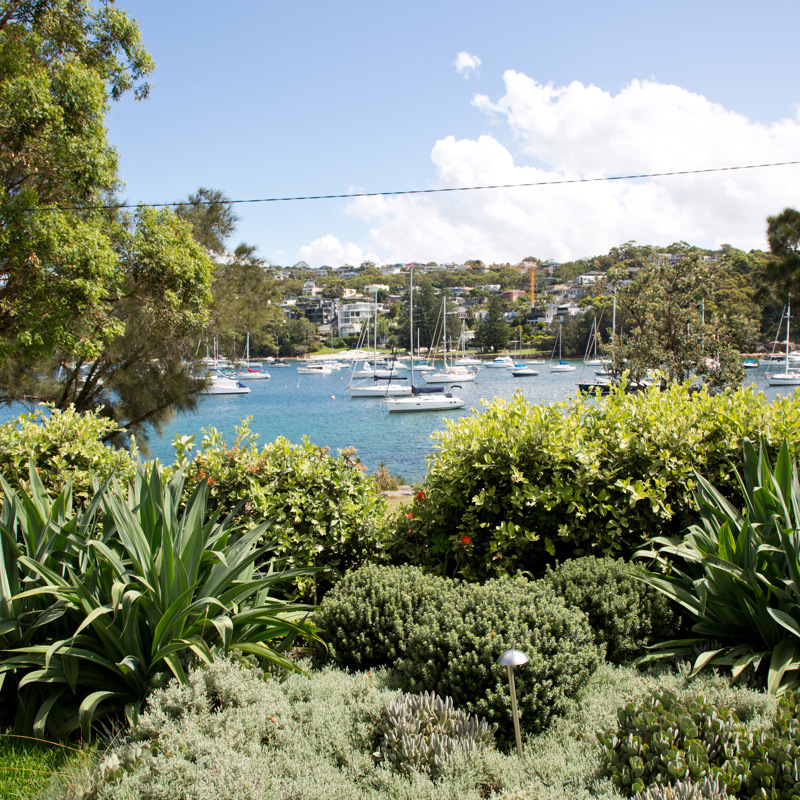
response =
{"points": [[397, 193]]}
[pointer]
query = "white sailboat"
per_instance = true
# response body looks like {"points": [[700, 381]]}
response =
{"points": [[381, 380], [252, 373], [561, 365], [448, 374], [422, 398], [221, 384], [789, 377]]}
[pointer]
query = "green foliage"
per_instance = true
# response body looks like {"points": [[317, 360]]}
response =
{"points": [[99, 307], [664, 740], [445, 636], [63, 446], [419, 732], [676, 314], [325, 512], [520, 485], [738, 575], [95, 605], [453, 651], [494, 332], [625, 614], [366, 618], [783, 233]]}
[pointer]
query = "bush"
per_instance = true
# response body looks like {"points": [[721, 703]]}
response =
{"points": [[686, 790], [63, 446], [737, 575], [453, 649], [366, 618], [664, 740], [519, 486], [95, 606], [625, 614], [325, 512]]}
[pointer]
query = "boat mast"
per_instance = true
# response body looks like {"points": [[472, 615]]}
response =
{"points": [[788, 323], [411, 321]]}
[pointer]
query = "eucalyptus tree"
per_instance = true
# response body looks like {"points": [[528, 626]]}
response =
{"points": [[97, 306]]}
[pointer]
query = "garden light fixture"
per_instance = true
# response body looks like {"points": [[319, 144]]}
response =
{"points": [[511, 659]]}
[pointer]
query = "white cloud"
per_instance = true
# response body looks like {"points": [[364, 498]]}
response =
{"points": [[328, 250], [466, 63], [579, 131]]}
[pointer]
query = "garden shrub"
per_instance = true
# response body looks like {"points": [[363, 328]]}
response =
{"points": [[453, 649], [625, 614], [687, 790], [325, 512], [665, 739], [366, 618], [520, 485], [63, 445]]}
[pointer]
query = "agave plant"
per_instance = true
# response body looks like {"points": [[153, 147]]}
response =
{"points": [[738, 575], [94, 608]]}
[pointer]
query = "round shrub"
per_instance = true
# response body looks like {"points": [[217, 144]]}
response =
{"points": [[625, 614], [453, 649], [366, 618], [324, 510], [63, 445]]}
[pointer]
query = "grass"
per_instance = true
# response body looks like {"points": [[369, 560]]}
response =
{"points": [[28, 765]]}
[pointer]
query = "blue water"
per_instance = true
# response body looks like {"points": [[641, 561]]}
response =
{"points": [[317, 406]]}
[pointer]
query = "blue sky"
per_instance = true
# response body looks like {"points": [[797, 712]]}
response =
{"points": [[263, 99]]}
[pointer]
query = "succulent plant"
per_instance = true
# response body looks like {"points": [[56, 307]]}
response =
{"points": [[665, 742], [419, 731], [688, 790], [125, 759]]}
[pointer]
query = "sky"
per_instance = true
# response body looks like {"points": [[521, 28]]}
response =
{"points": [[262, 99]]}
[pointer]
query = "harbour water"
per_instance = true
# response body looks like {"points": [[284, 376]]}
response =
{"points": [[318, 406]]}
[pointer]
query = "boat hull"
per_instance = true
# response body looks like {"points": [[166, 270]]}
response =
{"points": [[423, 403]]}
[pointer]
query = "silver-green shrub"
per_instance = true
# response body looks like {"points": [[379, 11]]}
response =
{"points": [[418, 732]]}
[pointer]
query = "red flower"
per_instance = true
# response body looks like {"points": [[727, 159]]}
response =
{"points": [[410, 515], [420, 495], [466, 540]]}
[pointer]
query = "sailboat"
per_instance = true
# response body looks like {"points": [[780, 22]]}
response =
{"points": [[448, 374], [789, 377], [422, 398], [561, 366], [251, 373], [379, 382]]}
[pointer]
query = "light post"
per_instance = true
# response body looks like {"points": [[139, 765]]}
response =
{"points": [[509, 660]]}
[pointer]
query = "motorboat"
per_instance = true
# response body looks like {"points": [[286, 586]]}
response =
{"points": [[501, 362], [313, 369], [222, 384], [523, 371]]}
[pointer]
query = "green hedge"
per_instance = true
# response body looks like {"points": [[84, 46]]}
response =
{"points": [[520, 485]]}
